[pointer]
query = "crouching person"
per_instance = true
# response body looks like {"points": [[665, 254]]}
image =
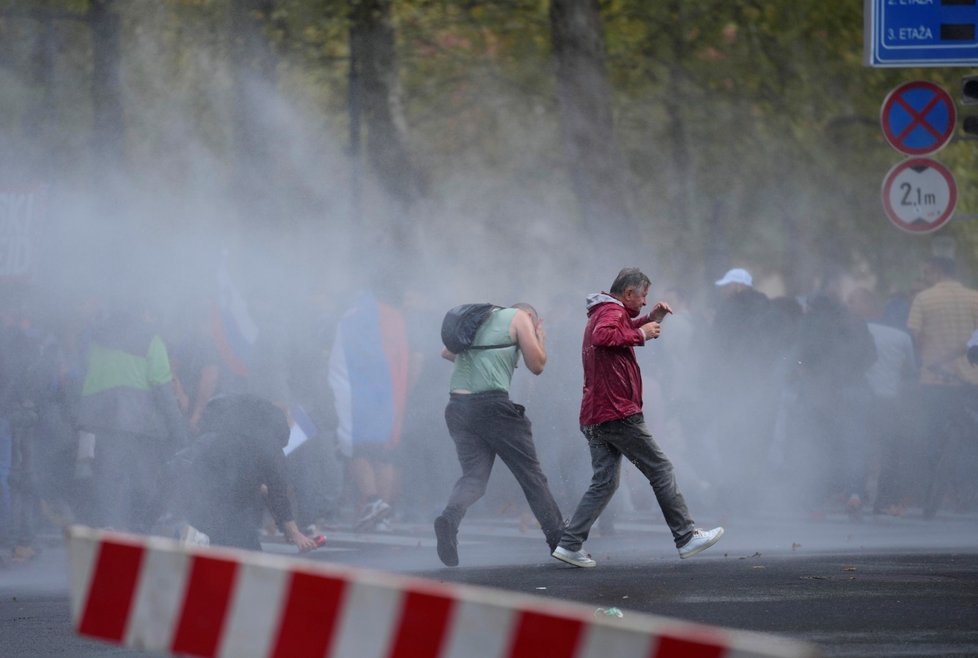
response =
{"points": [[235, 469]]}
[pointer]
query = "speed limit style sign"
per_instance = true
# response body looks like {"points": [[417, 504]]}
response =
{"points": [[919, 195]]}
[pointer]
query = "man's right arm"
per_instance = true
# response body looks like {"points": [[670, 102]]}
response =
{"points": [[530, 339]]}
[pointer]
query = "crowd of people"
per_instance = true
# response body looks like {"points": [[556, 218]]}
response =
{"points": [[837, 401], [841, 401], [118, 416]]}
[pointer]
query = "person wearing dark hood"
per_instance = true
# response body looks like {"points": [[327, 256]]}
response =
{"points": [[835, 352], [234, 470], [612, 421], [129, 403]]}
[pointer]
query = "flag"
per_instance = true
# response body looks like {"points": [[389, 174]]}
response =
{"points": [[302, 428], [368, 372], [234, 330]]}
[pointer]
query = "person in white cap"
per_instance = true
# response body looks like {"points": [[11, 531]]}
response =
{"points": [[735, 280], [739, 403]]}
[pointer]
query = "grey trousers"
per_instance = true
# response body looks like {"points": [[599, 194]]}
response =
{"points": [[608, 442], [484, 425]]}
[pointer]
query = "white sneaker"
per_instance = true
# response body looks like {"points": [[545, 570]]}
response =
{"points": [[371, 514], [191, 536], [576, 558], [701, 540]]}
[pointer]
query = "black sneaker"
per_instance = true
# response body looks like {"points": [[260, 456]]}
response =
{"points": [[446, 533]]}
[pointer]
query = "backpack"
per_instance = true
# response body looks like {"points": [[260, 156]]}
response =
{"points": [[460, 325]]}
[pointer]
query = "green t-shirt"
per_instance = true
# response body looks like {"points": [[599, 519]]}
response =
{"points": [[477, 371], [109, 368]]}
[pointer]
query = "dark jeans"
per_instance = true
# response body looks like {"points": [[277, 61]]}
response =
{"points": [[24, 499], [631, 438], [951, 429], [318, 476], [484, 425], [834, 438], [234, 525], [893, 427], [6, 459], [127, 468]]}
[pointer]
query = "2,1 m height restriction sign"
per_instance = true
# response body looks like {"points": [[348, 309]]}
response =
{"points": [[919, 195]]}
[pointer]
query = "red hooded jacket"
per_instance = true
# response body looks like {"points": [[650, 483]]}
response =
{"points": [[612, 380]]}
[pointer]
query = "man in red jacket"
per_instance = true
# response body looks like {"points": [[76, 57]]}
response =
{"points": [[612, 421]]}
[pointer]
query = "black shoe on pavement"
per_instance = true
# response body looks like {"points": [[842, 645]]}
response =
{"points": [[447, 535]]}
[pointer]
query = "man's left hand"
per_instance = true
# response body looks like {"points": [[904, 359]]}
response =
{"points": [[659, 311]]}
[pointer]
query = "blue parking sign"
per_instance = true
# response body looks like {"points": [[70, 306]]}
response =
{"points": [[912, 33]]}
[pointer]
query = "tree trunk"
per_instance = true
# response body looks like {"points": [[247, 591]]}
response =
{"points": [[684, 218], [354, 109], [109, 118], [253, 66], [375, 97], [586, 122]]}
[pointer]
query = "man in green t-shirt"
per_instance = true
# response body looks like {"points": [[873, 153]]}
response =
{"points": [[484, 423], [128, 402]]}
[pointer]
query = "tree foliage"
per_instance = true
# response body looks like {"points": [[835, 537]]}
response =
{"points": [[749, 129]]}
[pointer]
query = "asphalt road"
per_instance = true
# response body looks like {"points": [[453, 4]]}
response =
{"points": [[885, 587]]}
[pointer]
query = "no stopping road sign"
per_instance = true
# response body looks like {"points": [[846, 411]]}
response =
{"points": [[918, 118], [919, 195]]}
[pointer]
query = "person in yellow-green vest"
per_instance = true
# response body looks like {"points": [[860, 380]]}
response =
{"points": [[128, 402]]}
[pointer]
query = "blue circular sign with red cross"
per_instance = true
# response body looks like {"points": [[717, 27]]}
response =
{"points": [[918, 118]]}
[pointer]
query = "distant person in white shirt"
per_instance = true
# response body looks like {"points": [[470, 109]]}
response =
{"points": [[889, 379]]}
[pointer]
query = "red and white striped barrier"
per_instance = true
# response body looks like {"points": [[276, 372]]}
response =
{"points": [[155, 594]]}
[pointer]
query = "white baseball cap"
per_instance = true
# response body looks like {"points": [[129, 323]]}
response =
{"points": [[736, 275]]}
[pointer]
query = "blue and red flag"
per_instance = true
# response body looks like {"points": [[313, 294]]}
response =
{"points": [[231, 324], [368, 372], [302, 429]]}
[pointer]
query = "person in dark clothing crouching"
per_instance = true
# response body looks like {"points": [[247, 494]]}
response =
{"points": [[235, 469]]}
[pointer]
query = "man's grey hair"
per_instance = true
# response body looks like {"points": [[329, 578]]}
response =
{"points": [[629, 277]]}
